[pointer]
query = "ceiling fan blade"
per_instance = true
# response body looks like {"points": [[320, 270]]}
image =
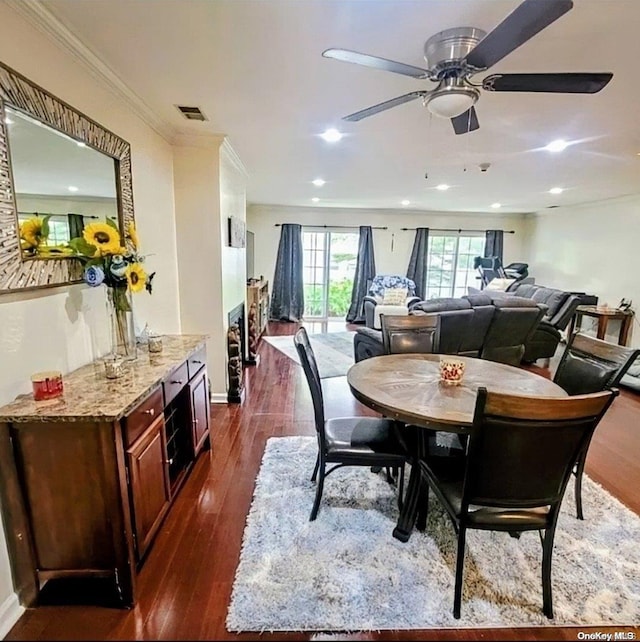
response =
{"points": [[555, 83], [529, 18], [370, 111], [467, 122], [377, 63]]}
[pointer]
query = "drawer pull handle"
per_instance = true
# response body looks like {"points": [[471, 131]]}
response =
{"points": [[176, 382], [195, 422], [168, 461], [196, 361], [150, 411]]}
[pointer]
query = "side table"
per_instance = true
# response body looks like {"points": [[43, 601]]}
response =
{"points": [[603, 315]]}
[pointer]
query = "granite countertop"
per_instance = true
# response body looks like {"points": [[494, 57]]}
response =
{"points": [[90, 396]]}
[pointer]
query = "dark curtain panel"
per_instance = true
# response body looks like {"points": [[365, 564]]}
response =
{"points": [[417, 270], [287, 296], [76, 225], [493, 243], [365, 271]]}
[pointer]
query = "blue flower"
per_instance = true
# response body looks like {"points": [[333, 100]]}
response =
{"points": [[94, 276]]}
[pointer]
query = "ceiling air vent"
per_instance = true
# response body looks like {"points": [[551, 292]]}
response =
{"points": [[192, 113]]}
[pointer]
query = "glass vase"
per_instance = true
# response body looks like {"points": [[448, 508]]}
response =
{"points": [[122, 326]]}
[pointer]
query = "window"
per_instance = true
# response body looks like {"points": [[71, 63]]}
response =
{"points": [[450, 264], [329, 267]]}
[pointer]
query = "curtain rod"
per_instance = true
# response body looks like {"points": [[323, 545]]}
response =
{"points": [[350, 227], [436, 229], [50, 214]]}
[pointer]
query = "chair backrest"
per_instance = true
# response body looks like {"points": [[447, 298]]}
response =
{"points": [[412, 333], [383, 281], [310, 367], [522, 450], [590, 365]]}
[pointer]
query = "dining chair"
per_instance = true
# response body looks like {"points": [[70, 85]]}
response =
{"points": [[347, 441], [519, 460], [412, 333], [590, 365]]}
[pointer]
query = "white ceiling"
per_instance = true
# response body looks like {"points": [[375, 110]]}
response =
{"points": [[255, 69]]}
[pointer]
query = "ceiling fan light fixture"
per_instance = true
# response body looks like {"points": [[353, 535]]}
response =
{"points": [[451, 100]]}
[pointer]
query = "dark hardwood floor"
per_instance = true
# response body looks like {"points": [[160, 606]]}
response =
{"points": [[186, 580]]}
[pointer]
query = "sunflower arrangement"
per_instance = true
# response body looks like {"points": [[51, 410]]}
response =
{"points": [[112, 259], [34, 236]]}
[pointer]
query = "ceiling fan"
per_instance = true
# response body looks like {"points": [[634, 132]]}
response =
{"points": [[455, 55]]}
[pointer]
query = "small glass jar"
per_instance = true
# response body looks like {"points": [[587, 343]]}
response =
{"points": [[113, 367], [47, 385], [155, 343], [451, 370]]}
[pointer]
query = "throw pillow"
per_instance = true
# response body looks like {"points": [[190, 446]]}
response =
{"points": [[394, 296]]}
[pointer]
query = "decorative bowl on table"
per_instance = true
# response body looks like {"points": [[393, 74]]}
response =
{"points": [[451, 371]]}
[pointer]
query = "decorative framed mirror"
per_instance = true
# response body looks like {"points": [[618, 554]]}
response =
{"points": [[59, 172]]}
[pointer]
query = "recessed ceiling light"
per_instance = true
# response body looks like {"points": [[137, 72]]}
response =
{"points": [[72, 188], [442, 187], [8, 120], [406, 202], [80, 144], [496, 205], [315, 199], [331, 135], [318, 182], [556, 190], [557, 145]]}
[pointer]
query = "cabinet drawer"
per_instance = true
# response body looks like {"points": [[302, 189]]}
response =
{"points": [[196, 361], [175, 382], [141, 417]]}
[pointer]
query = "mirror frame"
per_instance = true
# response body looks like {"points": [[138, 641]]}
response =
{"points": [[16, 91]]}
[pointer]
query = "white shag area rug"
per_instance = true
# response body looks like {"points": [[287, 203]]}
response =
{"points": [[346, 572], [333, 351]]}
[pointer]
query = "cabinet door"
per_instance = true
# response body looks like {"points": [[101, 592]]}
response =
{"points": [[149, 483], [199, 410]]}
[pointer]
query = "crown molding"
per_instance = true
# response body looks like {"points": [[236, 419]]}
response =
{"points": [[234, 158], [197, 140], [44, 20]]}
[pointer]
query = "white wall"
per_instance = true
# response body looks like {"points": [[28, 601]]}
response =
{"points": [[392, 246], [64, 328], [210, 185], [590, 248]]}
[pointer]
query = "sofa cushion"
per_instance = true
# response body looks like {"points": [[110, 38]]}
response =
{"points": [[442, 305], [478, 299], [525, 290], [553, 299]]}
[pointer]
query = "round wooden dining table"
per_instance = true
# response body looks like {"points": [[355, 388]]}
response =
{"points": [[407, 387]]}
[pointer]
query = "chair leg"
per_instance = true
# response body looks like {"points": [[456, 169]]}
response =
{"points": [[457, 595], [423, 507], [578, 486], [401, 488], [315, 469], [319, 487], [547, 550]]}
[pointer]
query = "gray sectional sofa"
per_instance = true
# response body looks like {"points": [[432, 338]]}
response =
{"points": [[474, 325], [561, 306]]}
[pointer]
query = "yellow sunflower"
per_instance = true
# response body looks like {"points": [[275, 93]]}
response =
{"points": [[104, 237], [31, 232], [132, 233], [136, 277]]}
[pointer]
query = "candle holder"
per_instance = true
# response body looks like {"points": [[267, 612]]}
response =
{"points": [[155, 343], [451, 371], [47, 385], [113, 367]]}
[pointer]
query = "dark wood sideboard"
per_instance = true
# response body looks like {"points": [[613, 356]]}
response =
{"points": [[87, 480]]}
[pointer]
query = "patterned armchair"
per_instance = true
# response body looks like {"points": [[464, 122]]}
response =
{"points": [[388, 294]]}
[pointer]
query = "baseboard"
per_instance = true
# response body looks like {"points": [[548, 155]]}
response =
{"points": [[218, 397], [10, 612]]}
